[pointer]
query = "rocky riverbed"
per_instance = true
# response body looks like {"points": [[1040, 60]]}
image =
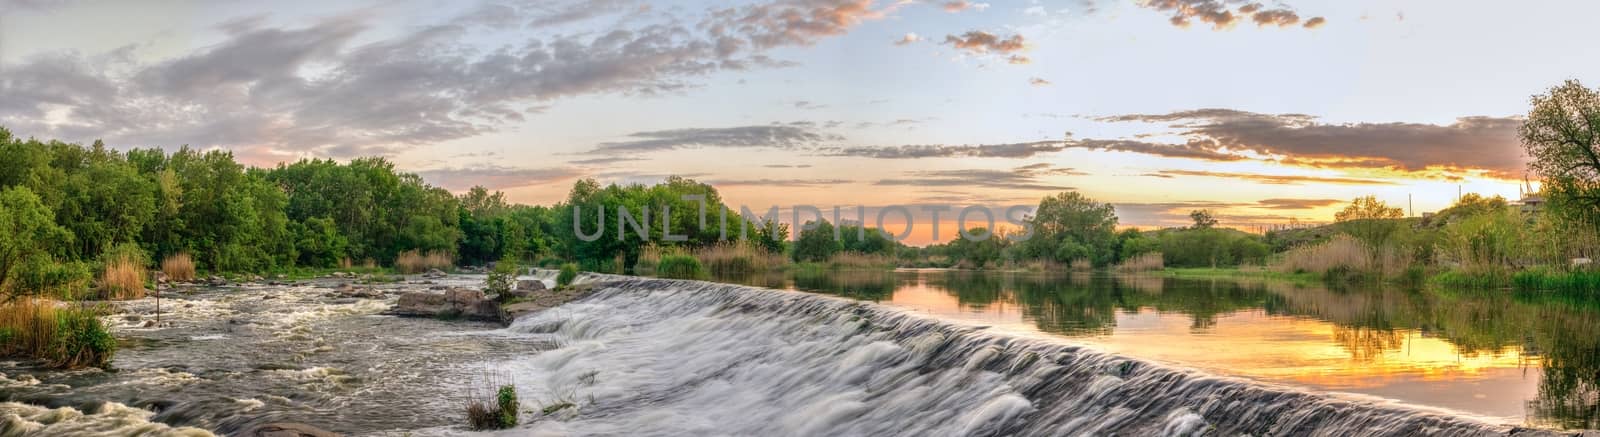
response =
{"points": [[228, 357]]}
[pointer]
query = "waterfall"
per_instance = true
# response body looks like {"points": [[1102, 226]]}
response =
{"points": [[665, 357]]}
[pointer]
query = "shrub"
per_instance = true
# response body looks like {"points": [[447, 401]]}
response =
{"points": [[501, 279], [413, 261], [1143, 262], [123, 274], [680, 267], [569, 273], [858, 260], [178, 267]]}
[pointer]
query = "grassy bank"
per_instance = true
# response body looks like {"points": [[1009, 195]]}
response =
{"points": [[1234, 272]]}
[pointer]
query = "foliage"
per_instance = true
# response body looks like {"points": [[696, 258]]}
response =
{"points": [[1203, 219], [502, 278], [1562, 134], [1368, 207], [1488, 242], [816, 242], [81, 340], [29, 246], [1069, 226], [1209, 247], [680, 266], [569, 273], [500, 412]]}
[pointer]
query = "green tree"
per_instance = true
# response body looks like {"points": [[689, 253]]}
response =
{"points": [[28, 234], [1070, 226], [816, 244], [1203, 219], [1561, 134], [1368, 207]]}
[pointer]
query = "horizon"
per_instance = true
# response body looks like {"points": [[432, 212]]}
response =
{"points": [[821, 102]]}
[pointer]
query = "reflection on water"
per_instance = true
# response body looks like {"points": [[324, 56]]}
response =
{"points": [[1513, 358]]}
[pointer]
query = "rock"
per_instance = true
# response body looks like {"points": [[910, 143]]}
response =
{"points": [[530, 285], [256, 278], [285, 429], [131, 317], [347, 290], [344, 287], [454, 303], [434, 274], [216, 281], [536, 302], [340, 275]]}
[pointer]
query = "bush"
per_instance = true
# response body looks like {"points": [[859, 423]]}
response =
{"points": [[178, 267], [502, 278], [81, 340], [569, 273], [680, 267], [413, 261]]}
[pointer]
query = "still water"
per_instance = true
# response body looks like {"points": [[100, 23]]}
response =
{"points": [[1514, 359]]}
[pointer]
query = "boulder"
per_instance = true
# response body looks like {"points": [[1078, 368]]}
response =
{"points": [[530, 285], [454, 303], [434, 274], [285, 429], [347, 290], [216, 281]]}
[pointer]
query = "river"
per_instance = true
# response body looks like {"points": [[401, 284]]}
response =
{"points": [[855, 353]]}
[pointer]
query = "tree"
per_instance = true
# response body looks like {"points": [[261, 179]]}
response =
{"points": [[1070, 226], [816, 244], [28, 233], [1368, 207], [1561, 134], [1203, 219]]}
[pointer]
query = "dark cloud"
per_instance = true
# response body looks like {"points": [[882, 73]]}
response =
{"points": [[495, 178], [768, 136], [1487, 143], [1272, 179], [1021, 178], [316, 90], [1296, 203], [1219, 16], [1192, 150]]}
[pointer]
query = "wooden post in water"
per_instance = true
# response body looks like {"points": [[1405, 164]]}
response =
{"points": [[158, 299]]}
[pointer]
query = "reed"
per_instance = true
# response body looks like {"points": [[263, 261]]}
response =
{"points": [[1144, 262], [738, 258], [122, 272], [491, 404], [178, 267], [62, 337], [1080, 265], [858, 260], [649, 257], [680, 266], [345, 264], [414, 261]]}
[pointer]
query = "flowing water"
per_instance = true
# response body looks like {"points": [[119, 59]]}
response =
{"points": [[890, 353]]}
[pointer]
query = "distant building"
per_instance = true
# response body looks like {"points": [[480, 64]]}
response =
{"points": [[1530, 203]]}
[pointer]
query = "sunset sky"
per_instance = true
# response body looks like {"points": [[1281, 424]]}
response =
{"points": [[1264, 112]]}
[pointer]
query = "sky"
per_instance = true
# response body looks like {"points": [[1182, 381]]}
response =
{"points": [[1263, 112]]}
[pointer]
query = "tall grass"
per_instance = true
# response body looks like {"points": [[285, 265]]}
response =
{"points": [[649, 257], [345, 263], [492, 405], [178, 267], [1144, 262], [680, 266], [414, 261], [1344, 257], [122, 273], [858, 260], [738, 258], [62, 337], [1080, 265]]}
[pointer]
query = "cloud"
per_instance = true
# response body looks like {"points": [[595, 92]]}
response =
{"points": [[979, 42], [908, 39], [1035, 81], [806, 104], [1485, 143], [333, 88], [776, 136], [1220, 17], [787, 166], [1021, 178], [962, 5], [1272, 179], [1296, 203], [764, 182], [606, 160], [1194, 150], [495, 177]]}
